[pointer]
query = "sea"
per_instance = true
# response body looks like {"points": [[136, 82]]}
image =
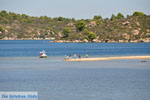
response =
{"points": [[22, 70]]}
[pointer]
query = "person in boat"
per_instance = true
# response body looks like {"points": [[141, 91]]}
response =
{"points": [[43, 54], [40, 54]]}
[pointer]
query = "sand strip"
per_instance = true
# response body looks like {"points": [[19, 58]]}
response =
{"points": [[109, 58]]}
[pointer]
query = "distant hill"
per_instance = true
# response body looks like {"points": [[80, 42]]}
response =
{"points": [[133, 28]]}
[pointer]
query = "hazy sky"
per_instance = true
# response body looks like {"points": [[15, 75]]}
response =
{"points": [[75, 8]]}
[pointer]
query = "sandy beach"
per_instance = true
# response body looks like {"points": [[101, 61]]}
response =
{"points": [[109, 58]]}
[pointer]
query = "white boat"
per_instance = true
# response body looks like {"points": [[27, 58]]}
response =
{"points": [[43, 54]]}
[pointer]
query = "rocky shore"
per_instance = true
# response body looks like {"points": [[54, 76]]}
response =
{"points": [[146, 40], [6, 38]]}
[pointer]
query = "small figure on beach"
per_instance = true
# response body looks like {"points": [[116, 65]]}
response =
{"points": [[75, 56], [86, 56], [79, 56], [65, 56], [70, 56]]}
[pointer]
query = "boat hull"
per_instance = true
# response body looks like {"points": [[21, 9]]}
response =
{"points": [[43, 56]]}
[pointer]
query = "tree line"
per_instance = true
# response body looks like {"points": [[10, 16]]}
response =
{"points": [[14, 25]]}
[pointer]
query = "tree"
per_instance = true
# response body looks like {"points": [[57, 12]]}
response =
{"points": [[5, 20], [97, 17], [80, 25], [137, 13], [60, 18], [25, 16], [42, 36], [98, 22], [1, 29], [3, 13], [113, 17], [90, 35], [120, 16], [66, 32], [88, 20], [86, 31]]}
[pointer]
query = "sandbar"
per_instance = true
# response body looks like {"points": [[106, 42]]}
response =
{"points": [[108, 58]]}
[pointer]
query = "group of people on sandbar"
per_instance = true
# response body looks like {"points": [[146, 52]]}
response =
{"points": [[74, 56]]}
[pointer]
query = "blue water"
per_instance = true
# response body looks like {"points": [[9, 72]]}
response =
{"points": [[23, 48], [21, 69]]}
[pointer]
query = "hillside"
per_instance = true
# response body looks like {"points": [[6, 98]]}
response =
{"points": [[133, 28]]}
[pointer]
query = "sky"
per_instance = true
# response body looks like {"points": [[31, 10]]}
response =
{"points": [[78, 9]]}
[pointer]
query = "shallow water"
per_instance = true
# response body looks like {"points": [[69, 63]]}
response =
{"points": [[60, 80], [55, 79]]}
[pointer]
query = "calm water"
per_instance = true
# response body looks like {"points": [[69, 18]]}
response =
{"points": [[21, 69], [22, 48]]}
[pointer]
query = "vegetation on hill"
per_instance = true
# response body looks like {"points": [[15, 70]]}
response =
{"points": [[118, 27]]}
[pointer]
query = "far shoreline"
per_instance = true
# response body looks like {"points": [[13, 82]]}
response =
{"points": [[80, 41]]}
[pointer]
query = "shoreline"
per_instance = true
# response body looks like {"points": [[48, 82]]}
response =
{"points": [[146, 40], [108, 58], [82, 41]]}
